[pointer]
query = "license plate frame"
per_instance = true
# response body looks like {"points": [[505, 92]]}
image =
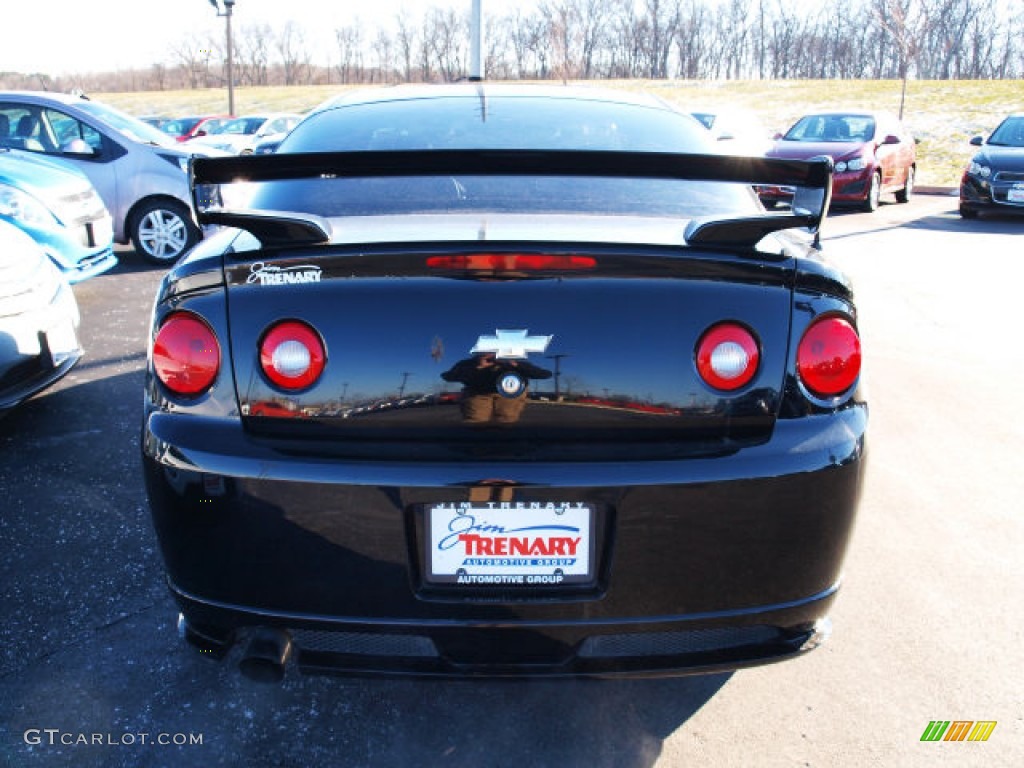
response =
{"points": [[510, 545]]}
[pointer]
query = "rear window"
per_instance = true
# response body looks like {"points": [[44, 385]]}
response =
{"points": [[501, 123], [463, 122]]}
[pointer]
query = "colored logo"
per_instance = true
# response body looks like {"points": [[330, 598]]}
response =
{"points": [[958, 730], [511, 385]]}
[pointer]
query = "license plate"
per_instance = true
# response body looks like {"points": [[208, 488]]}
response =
{"points": [[510, 544], [62, 342], [1015, 195]]}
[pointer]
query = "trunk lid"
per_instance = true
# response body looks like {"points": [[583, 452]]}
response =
{"points": [[606, 350]]}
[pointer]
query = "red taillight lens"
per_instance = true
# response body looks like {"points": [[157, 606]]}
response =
{"points": [[186, 355], [292, 355], [512, 262], [828, 358], [727, 356]]}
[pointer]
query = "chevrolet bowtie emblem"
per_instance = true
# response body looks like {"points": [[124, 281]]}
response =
{"points": [[511, 345]]}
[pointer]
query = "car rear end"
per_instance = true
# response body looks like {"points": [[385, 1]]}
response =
{"points": [[510, 443]]}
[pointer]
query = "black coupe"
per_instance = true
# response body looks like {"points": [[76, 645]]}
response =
{"points": [[501, 380]]}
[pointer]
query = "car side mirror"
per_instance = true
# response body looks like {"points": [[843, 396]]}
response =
{"points": [[78, 148], [977, 141], [199, 133], [891, 139], [776, 136]]}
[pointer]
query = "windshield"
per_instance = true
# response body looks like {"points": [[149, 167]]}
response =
{"points": [[1010, 133], [833, 128], [130, 127], [240, 125]]}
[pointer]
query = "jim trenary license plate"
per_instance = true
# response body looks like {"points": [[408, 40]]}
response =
{"points": [[510, 543]]}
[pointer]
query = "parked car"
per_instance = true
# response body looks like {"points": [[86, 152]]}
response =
{"points": [[240, 135], [736, 131], [60, 209], [38, 319], [994, 179], [874, 154], [139, 171], [157, 121], [187, 128], [536, 240]]}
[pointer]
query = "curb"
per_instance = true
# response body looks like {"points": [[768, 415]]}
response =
{"points": [[947, 191]]}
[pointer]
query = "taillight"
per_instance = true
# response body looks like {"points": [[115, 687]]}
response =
{"points": [[292, 355], [828, 358], [512, 262], [727, 356], [186, 355]]}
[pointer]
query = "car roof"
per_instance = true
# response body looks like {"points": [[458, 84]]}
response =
{"points": [[850, 113], [43, 96], [468, 89]]}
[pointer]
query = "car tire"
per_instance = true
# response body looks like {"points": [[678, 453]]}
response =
{"points": [[968, 213], [162, 230], [870, 203], [904, 195]]}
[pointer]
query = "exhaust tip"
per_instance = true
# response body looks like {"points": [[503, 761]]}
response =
{"points": [[266, 655], [820, 633]]}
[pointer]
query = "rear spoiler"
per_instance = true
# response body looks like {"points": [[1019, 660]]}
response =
{"points": [[812, 180]]}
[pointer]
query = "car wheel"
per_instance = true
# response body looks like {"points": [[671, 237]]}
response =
{"points": [[904, 195], [968, 213], [874, 193], [162, 231]]}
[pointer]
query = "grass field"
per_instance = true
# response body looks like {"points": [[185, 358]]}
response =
{"points": [[944, 115]]}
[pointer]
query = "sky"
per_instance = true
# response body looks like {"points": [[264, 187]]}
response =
{"points": [[139, 33]]}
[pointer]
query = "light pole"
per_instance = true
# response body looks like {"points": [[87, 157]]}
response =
{"points": [[476, 41], [229, 6]]}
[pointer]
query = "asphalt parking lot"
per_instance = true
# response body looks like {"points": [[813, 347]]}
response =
{"points": [[926, 625]]}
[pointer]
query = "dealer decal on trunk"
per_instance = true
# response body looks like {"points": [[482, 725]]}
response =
{"points": [[270, 274]]}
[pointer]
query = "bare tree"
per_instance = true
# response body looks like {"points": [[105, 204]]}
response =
{"points": [[252, 51], [350, 53], [405, 38], [291, 46], [193, 55], [445, 35]]}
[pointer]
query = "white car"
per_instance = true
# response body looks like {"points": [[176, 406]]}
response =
{"points": [[38, 319], [240, 135], [736, 131]]}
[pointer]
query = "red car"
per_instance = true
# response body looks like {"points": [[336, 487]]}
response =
{"points": [[873, 154], [185, 128]]}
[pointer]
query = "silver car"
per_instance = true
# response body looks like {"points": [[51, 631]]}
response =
{"points": [[139, 171]]}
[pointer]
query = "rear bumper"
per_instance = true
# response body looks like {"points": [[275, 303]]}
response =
{"points": [[705, 564], [666, 646]]}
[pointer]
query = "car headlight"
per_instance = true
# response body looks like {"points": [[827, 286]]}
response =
{"points": [[977, 169], [854, 164], [24, 208]]}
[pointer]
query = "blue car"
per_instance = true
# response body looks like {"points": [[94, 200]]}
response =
{"points": [[58, 206]]}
